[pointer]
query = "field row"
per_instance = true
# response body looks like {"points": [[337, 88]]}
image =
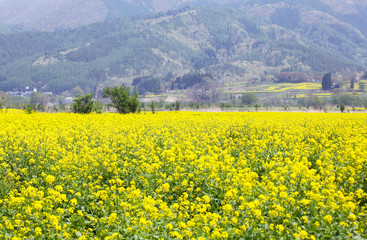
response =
{"points": [[183, 175]]}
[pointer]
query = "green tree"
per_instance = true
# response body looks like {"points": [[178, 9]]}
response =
{"points": [[177, 105], [194, 105], [122, 99], [222, 106], [77, 91], [28, 109], [313, 101], [326, 82], [249, 98], [352, 83], [257, 106], [346, 99], [153, 106], [342, 107], [83, 104], [361, 86], [98, 107], [3, 99], [38, 101], [365, 104]]}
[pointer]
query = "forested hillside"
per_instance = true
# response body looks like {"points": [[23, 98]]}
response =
{"points": [[49, 15], [230, 44]]}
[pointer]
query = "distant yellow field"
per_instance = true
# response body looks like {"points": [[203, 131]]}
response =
{"points": [[183, 175], [295, 86]]}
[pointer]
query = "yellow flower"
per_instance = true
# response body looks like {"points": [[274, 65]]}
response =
{"points": [[227, 208], [182, 225], [169, 226], [175, 206], [73, 202], [165, 187], [175, 234], [60, 210], [54, 220], [184, 183], [206, 199], [280, 228], [38, 205], [59, 188], [352, 217], [344, 224], [163, 175], [317, 224], [50, 179], [112, 218], [304, 219], [303, 234], [328, 218], [38, 231]]}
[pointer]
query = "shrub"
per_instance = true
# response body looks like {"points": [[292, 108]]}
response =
{"points": [[83, 104], [122, 99]]}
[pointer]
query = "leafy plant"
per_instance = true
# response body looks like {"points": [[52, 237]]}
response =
{"points": [[326, 82], [361, 86], [122, 99], [342, 107], [98, 107], [177, 105], [249, 98], [83, 104], [28, 109], [153, 106]]}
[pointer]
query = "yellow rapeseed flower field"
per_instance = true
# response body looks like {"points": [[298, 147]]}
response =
{"points": [[183, 175]]}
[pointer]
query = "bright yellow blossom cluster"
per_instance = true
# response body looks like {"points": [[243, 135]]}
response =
{"points": [[183, 175]]}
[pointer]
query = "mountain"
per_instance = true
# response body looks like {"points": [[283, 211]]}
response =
{"points": [[49, 15], [241, 41]]}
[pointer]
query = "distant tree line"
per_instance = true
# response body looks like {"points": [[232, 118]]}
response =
{"points": [[292, 77], [146, 84], [191, 79]]}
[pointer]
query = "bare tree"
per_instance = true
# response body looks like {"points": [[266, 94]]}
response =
{"points": [[3, 99], [204, 92]]}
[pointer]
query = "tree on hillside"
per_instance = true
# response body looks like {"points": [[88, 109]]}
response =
{"points": [[77, 91], [352, 83], [326, 82], [361, 86], [122, 99], [291, 77]]}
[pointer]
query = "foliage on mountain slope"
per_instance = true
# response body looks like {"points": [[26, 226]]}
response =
{"points": [[228, 43]]}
